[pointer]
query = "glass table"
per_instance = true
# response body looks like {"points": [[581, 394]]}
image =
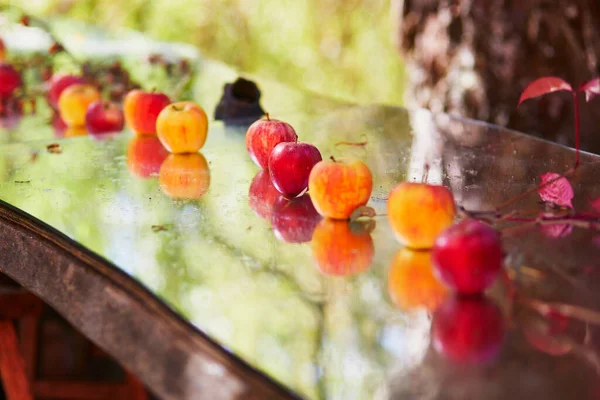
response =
{"points": [[207, 298]]}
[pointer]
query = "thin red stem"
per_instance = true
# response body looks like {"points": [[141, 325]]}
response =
{"points": [[576, 102]]}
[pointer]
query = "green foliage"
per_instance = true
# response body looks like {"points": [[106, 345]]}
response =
{"points": [[342, 49]]}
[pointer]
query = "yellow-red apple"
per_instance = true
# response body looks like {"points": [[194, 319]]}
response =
{"points": [[74, 102], [338, 187], [182, 127], [419, 212]]}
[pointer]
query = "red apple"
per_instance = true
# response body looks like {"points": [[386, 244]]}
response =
{"points": [[290, 165], [58, 83], [104, 117], [262, 195], [294, 221], [10, 80], [468, 330], [262, 137], [142, 109], [468, 256]]}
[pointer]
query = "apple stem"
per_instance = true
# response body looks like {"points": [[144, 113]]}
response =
{"points": [[267, 115], [332, 159], [576, 103], [425, 175]]}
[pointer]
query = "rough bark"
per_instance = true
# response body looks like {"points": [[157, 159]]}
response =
{"points": [[474, 57]]}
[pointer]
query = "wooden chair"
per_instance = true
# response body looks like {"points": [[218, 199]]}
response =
{"points": [[19, 356]]}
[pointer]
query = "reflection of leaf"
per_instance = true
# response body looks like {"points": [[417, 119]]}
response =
{"points": [[543, 86], [558, 192], [595, 203], [557, 231], [544, 338], [591, 89]]}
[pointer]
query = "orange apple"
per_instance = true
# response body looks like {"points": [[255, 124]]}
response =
{"points": [[340, 250], [184, 176], [412, 283], [145, 155], [141, 110], [338, 187], [419, 212], [74, 102], [182, 127]]}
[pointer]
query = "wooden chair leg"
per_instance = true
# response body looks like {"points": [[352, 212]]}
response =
{"points": [[12, 366], [137, 391], [28, 335]]}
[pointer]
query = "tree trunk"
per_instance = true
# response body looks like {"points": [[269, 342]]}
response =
{"points": [[474, 57]]}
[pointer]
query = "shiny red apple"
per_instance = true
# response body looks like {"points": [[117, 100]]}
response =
{"points": [[262, 195], [142, 109], [294, 220], [468, 330], [290, 165], [10, 80], [263, 135], [104, 117], [468, 256], [58, 83]]}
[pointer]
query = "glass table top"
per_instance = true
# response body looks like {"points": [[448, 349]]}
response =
{"points": [[233, 272]]}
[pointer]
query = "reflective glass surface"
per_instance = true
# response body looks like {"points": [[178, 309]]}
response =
{"points": [[225, 262]]}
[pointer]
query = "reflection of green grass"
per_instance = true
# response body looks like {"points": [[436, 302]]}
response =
{"points": [[339, 48]]}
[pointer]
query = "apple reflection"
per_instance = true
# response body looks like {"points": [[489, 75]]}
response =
{"points": [[262, 195], [184, 176], [294, 220], [145, 155], [343, 248], [58, 125], [468, 330], [412, 283], [74, 131]]}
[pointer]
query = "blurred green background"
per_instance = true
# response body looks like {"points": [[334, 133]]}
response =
{"points": [[342, 49]]}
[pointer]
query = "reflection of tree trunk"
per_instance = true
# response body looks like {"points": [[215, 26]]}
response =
{"points": [[474, 57]]}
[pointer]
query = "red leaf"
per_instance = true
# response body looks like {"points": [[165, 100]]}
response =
{"points": [[558, 192], [543, 86], [591, 89]]}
